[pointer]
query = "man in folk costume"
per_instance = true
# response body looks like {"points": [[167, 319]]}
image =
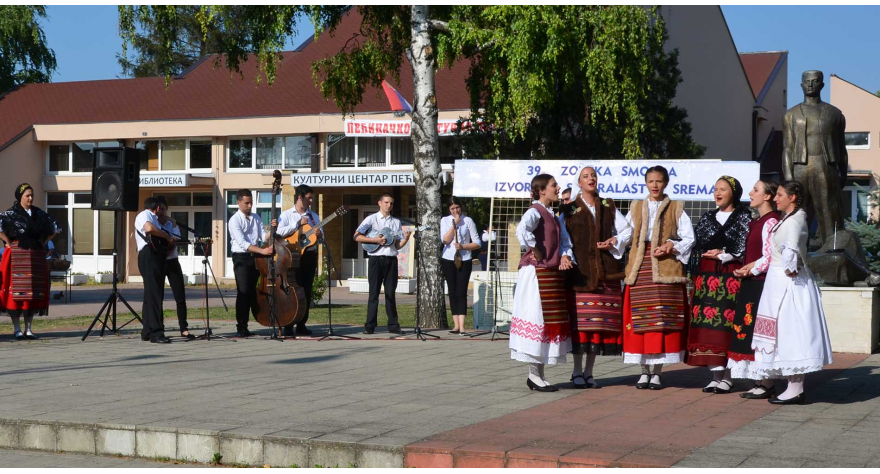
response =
{"points": [[599, 235], [24, 272], [655, 301], [539, 327], [718, 253]]}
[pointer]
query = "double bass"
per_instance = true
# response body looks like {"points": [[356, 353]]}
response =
{"points": [[274, 288]]}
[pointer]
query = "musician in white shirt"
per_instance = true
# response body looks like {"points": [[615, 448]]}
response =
{"points": [[151, 265], [288, 223], [245, 229], [173, 272], [382, 263]]}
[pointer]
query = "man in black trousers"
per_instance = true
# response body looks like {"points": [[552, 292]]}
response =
{"points": [[288, 223], [151, 264]]}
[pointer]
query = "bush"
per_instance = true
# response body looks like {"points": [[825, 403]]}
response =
{"points": [[869, 234], [319, 288]]}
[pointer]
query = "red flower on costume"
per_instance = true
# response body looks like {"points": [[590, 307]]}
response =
{"points": [[748, 319], [713, 283], [729, 314], [696, 311], [698, 282], [732, 286], [709, 312]]}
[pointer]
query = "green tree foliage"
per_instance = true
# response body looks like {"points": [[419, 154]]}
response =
{"points": [[869, 235], [24, 55], [169, 47]]}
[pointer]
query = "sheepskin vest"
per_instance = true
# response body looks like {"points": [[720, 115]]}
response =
{"points": [[666, 269], [593, 264]]}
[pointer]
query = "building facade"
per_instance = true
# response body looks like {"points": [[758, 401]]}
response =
{"points": [[210, 134]]}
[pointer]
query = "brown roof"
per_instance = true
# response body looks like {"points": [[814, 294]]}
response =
{"points": [[759, 69], [207, 93]]}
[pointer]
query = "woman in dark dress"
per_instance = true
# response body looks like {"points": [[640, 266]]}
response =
{"points": [[26, 229]]}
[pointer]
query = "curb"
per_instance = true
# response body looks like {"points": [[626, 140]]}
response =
{"points": [[193, 445]]}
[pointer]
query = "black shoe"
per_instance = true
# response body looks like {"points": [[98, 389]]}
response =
{"points": [[31, 336], [287, 332], [19, 336], [394, 330], [546, 388], [144, 338], [592, 385], [720, 390], [244, 333], [655, 386], [708, 389], [188, 337], [768, 392], [160, 340], [579, 385], [798, 400], [454, 332], [643, 385], [368, 331], [304, 331]]}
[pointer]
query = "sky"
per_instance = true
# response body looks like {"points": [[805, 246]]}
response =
{"points": [[838, 40], [86, 41]]}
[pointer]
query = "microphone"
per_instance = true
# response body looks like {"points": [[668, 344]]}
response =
{"points": [[187, 228]]}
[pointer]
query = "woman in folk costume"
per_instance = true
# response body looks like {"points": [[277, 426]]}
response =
{"points": [[539, 327], [791, 336], [655, 300], [25, 272], [740, 356], [599, 235], [721, 244]]}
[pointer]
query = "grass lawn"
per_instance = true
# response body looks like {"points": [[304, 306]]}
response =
{"points": [[342, 314]]}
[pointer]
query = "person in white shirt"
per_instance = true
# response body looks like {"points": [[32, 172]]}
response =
{"points": [[487, 238], [245, 230], [457, 262], [288, 223], [172, 270], [151, 264], [382, 263]]}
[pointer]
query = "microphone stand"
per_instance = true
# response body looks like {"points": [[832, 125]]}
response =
{"points": [[206, 266], [418, 259]]}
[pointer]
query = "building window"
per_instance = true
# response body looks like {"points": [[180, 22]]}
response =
{"points": [[241, 154], [269, 153], [59, 158], [81, 230], [297, 152], [74, 157], [401, 151], [173, 157], [858, 140], [371, 151], [200, 154], [106, 223], [340, 150], [82, 157], [150, 159], [449, 150], [56, 207]]}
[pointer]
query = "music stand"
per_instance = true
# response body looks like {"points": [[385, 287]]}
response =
{"points": [[115, 295], [331, 268], [418, 329], [205, 246]]}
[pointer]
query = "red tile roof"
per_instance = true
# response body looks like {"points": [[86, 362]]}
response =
{"points": [[759, 67], [208, 93]]}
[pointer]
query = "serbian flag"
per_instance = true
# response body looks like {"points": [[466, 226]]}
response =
{"points": [[395, 99]]}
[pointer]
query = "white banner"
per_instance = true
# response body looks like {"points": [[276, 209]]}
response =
{"points": [[164, 180], [689, 180], [403, 178], [396, 128]]}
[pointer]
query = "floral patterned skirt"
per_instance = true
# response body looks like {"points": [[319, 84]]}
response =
{"points": [[713, 313]]}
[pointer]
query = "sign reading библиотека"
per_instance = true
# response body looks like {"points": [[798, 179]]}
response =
{"points": [[689, 180], [164, 180]]}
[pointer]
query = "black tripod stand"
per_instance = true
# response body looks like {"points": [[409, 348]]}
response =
{"points": [[205, 246], [418, 330], [496, 285], [115, 295], [331, 269]]}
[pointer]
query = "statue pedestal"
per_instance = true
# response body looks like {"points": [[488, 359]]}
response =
{"points": [[843, 266], [853, 317]]}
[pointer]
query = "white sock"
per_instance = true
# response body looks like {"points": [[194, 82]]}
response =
{"points": [[28, 322], [16, 323], [795, 387], [578, 365], [644, 378], [541, 371], [655, 379], [535, 374], [591, 361]]}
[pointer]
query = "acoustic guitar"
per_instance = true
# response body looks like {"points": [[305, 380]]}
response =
{"points": [[306, 236], [390, 236]]}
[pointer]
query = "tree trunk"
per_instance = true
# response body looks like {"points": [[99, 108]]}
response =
{"points": [[427, 169]]}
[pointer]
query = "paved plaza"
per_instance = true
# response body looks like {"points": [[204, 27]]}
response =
{"points": [[380, 402]]}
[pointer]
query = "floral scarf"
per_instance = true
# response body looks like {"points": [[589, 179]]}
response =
{"points": [[29, 230]]}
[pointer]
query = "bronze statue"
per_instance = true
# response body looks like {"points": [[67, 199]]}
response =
{"points": [[815, 154]]}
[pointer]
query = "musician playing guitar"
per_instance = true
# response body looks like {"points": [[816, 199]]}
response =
{"points": [[173, 271], [151, 265], [288, 223], [382, 263]]}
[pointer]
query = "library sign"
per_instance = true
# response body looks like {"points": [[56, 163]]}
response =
{"points": [[689, 180], [164, 180]]}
